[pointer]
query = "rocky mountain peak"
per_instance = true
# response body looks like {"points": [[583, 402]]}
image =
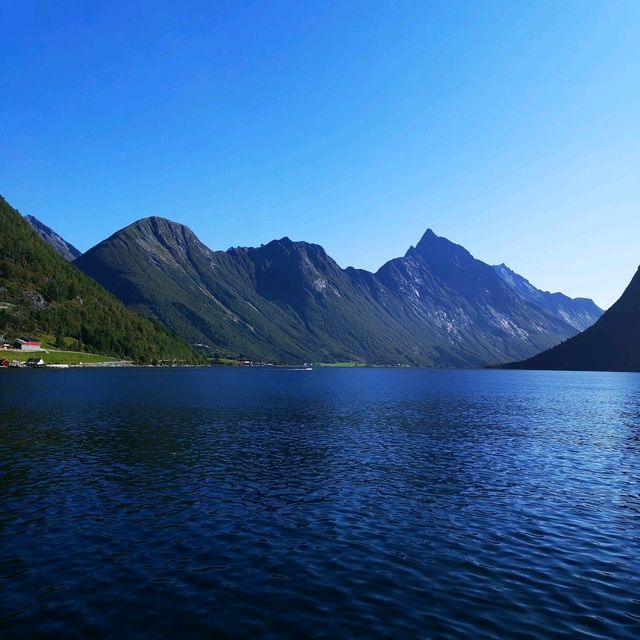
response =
{"points": [[437, 250]]}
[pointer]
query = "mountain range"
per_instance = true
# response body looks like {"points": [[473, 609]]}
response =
{"points": [[289, 301], [611, 344]]}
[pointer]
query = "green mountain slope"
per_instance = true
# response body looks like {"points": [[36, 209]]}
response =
{"points": [[611, 344], [42, 294]]}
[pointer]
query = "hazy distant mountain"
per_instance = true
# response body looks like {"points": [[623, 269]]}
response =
{"points": [[580, 313], [611, 344], [63, 248], [287, 301]]}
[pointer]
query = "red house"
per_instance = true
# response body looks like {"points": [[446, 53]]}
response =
{"points": [[27, 344]]}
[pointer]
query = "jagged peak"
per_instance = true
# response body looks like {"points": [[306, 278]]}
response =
{"points": [[429, 234], [294, 246], [433, 245]]}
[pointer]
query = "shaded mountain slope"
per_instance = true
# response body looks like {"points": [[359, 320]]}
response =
{"points": [[42, 294], [611, 344], [57, 242]]}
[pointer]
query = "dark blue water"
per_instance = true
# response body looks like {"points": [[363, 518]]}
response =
{"points": [[335, 503]]}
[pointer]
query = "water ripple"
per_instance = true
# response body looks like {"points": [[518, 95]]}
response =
{"points": [[368, 503]]}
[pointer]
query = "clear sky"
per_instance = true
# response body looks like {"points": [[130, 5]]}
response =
{"points": [[512, 128]]}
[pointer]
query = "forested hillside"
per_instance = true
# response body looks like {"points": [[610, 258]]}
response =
{"points": [[42, 294]]}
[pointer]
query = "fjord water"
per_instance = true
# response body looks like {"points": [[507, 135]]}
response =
{"points": [[200, 503]]}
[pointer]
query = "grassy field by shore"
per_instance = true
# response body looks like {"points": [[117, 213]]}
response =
{"points": [[340, 365], [51, 356]]}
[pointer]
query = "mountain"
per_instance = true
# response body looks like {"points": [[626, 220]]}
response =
{"points": [[611, 344], [580, 313], [470, 312], [44, 295], [289, 301], [59, 244]]}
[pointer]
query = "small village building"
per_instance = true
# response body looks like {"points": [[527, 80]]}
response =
{"points": [[4, 343], [35, 362], [4, 364], [28, 344]]}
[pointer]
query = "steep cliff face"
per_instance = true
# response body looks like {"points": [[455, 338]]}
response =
{"points": [[611, 344], [290, 301]]}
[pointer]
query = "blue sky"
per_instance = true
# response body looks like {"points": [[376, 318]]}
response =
{"points": [[512, 128]]}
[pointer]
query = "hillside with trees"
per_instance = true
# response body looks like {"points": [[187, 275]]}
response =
{"points": [[44, 295]]}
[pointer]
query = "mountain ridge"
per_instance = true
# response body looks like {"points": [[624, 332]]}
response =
{"points": [[578, 312], [289, 300], [65, 249]]}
